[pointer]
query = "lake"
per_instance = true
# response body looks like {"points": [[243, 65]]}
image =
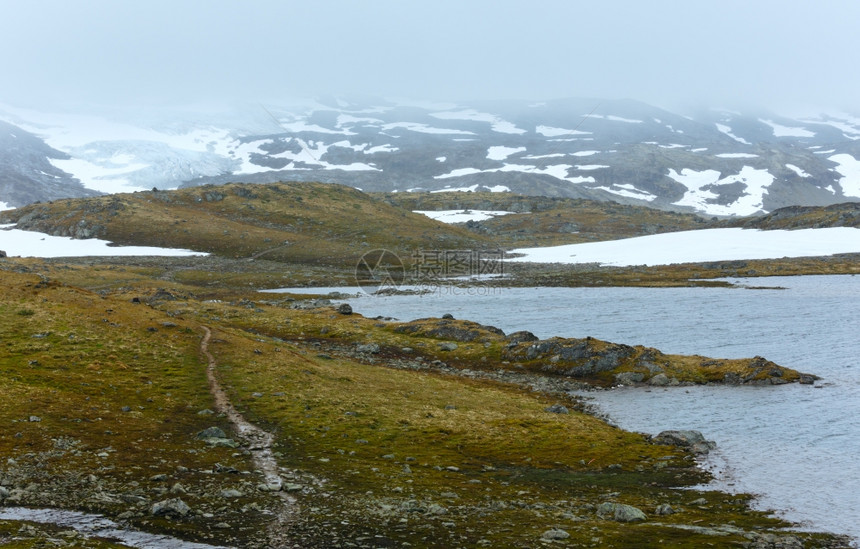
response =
{"points": [[794, 446]]}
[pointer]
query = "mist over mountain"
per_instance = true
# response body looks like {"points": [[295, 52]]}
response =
{"points": [[714, 162]]}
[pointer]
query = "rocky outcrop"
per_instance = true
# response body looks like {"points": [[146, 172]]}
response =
{"points": [[617, 364], [462, 331], [570, 357], [689, 439]]}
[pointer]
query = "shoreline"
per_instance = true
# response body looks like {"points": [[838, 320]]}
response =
{"points": [[460, 395]]}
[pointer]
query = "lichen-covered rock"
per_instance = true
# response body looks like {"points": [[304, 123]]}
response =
{"points": [[172, 508], [555, 534], [620, 512], [463, 331], [571, 357], [690, 439]]}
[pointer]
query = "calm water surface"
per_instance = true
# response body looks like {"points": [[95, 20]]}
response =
{"points": [[796, 447]]}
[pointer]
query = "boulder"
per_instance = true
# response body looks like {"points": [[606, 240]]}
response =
{"points": [[344, 309], [371, 348], [664, 509], [690, 439], [555, 534], [171, 508], [211, 432], [629, 378], [557, 409], [620, 512], [521, 337]]}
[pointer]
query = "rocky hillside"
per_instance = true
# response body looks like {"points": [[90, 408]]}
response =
{"points": [[300, 223], [26, 172], [712, 162]]}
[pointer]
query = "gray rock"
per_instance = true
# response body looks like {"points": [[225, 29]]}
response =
{"points": [[211, 432], [664, 509], [371, 348], [620, 512], [436, 509], [555, 534], [345, 309], [557, 409], [690, 439], [4, 493], [660, 380], [231, 493], [629, 378], [174, 507], [448, 346], [521, 337]]}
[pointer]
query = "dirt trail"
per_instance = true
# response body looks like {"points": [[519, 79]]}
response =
{"points": [[259, 443]]}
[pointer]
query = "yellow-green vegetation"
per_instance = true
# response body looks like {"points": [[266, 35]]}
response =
{"points": [[266, 236], [295, 222], [543, 221], [427, 433]]}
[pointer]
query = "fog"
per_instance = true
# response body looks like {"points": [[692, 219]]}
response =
{"points": [[675, 54]]}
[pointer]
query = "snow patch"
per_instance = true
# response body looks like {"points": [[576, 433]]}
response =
{"points": [[381, 149], [550, 131], [502, 153], [32, 244], [728, 131], [797, 170], [472, 189], [700, 196], [107, 175], [496, 123], [613, 118], [585, 153], [588, 167], [700, 246], [849, 169], [348, 119], [424, 128], [441, 158], [558, 171], [461, 216], [786, 131], [4, 206], [629, 191], [736, 155]]}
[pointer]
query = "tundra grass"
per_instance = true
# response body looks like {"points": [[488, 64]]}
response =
{"points": [[102, 400]]}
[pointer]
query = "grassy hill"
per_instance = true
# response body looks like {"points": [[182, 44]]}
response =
{"points": [[311, 223], [385, 433]]}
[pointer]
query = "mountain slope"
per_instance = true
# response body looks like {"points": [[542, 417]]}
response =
{"points": [[713, 162], [26, 172]]}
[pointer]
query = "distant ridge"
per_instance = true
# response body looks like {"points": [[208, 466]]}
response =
{"points": [[716, 163]]}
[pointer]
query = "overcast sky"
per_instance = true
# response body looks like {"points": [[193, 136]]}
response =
{"points": [[774, 53]]}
